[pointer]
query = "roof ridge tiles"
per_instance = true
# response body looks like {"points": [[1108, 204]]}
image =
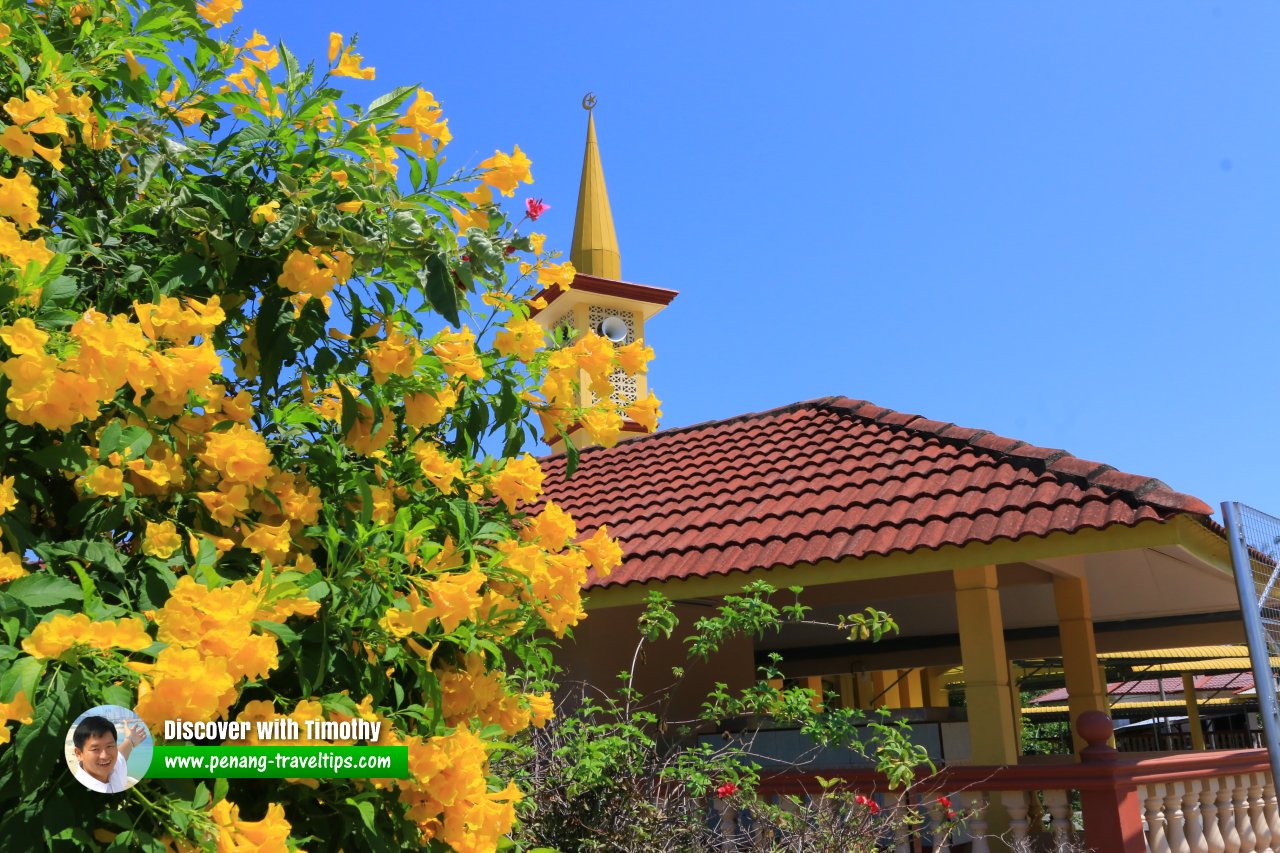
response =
{"points": [[1060, 462]]}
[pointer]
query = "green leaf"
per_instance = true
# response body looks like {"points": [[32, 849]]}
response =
{"points": [[367, 814], [350, 409], [22, 677], [395, 94], [286, 634], [67, 456], [134, 441], [271, 331], [118, 694], [570, 455], [41, 590], [440, 290], [109, 441], [59, 292], [39, 745]]}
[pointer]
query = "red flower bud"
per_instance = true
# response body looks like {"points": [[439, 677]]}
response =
{"points": [[726, 790]]}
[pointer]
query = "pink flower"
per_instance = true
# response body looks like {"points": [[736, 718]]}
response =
{"points": [[728, 789], [535, 208]]}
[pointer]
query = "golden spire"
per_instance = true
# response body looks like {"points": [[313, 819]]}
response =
{"points": [[594, 250]]}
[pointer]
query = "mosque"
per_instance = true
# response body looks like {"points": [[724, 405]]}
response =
{"points": [[1019, 576]]}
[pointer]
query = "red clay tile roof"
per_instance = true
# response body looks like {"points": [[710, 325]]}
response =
{"points": [[1233, 682], [834, 478]]}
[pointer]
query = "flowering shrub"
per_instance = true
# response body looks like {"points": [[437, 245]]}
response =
{"points": [[269, 381], [613, 771]]}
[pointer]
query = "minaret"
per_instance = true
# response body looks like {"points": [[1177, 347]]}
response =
{"points": [[594, 250], [598, 294]]}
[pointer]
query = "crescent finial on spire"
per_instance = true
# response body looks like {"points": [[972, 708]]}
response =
{"points": [[589, 101]]}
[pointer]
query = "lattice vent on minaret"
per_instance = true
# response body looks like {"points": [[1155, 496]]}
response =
{"points": [[625, 388], [596, 315]]}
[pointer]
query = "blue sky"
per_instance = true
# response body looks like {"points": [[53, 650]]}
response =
{"points": [[1056, 222]]}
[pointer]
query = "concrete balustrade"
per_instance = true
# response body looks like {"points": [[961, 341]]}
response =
{"points": [[1201, 802]]}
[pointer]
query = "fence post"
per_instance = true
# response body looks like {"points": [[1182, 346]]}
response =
{"points": [[1112, 814]]}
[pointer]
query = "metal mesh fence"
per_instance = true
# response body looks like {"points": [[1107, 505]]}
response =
{"points": [[1254, 538], [1261, 535]]}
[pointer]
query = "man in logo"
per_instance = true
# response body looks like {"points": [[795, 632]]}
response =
{"points": [[101, 761]]}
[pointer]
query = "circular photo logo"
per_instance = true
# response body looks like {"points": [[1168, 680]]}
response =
{"points": [[109, 749]]}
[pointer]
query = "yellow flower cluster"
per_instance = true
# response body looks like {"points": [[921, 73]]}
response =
{"points": [[59, 633], [427, 408], [18, 709], [521, 338], [315, 272], [556, 573], [436, 466], [457, 353], [161, 539], [167, 99], [10, 564], [212, 647], [106, 353], [473, 692], [448, 794], [19, 205], [427, 131], [255, 56], [239, 455], [455, 598], [504, 172], [394, 356], [218, 623], [348, 62], [520, 479], [249, 836], [551, 275], [219, 12], [599, 359], [182, 683]]}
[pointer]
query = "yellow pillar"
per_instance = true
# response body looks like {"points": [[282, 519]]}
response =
{"points": [[866, 689], [1193, 710], [935, 690], [910, 690], [986, 666], [848, 694], [1015, 702], [1086, 688], [884, 690]]}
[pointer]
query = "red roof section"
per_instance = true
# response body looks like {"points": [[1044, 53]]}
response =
{"points": [[1234, 682], [835, 478]]}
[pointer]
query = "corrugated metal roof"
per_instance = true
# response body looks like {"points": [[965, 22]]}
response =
{"points": [[831, 479]]}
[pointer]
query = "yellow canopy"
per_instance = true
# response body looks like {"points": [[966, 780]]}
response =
{"points": [[1216, 665], [1153, 705]]}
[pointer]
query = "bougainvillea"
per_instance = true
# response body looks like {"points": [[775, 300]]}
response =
{"points": [[270, 387]]}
